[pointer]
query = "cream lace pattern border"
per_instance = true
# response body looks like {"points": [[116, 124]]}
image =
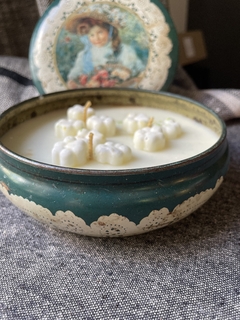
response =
{"points": [[156, 72], [113, 225]]}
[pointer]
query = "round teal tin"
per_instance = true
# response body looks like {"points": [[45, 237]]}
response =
{"points": [[112, 203], [79, 44]]}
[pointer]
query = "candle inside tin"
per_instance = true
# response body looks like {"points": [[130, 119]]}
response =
{"points": [[35, 138]]}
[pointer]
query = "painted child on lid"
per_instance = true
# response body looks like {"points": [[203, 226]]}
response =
{"points": [[105, 60]]}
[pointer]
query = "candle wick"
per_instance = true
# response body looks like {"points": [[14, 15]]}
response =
{"points": [[90, 146], [87, 105], [150, 122]]}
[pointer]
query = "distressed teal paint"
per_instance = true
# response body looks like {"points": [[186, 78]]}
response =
{"points": [[90, 194]]}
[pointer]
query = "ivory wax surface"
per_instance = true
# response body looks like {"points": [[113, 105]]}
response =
{"points": [[35, 138]]}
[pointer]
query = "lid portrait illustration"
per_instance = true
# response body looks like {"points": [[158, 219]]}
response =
{"points": [[103, 44]]}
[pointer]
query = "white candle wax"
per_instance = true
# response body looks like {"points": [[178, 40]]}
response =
{"points": [[35, 138], [149, 139]]}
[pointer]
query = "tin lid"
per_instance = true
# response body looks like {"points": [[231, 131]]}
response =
{"points": [[120, 43]]}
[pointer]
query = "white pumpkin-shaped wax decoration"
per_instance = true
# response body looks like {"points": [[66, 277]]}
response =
{"points": [[104, 124], [112, 153], [149, 139], [70, 152], [171, 128], [79, 112], [133, 122], [64, 127], [97, 137]]}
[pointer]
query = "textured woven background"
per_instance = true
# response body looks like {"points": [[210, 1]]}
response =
{"points": [[16, 26], [42, 5]]}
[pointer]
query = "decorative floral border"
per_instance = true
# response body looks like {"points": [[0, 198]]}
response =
{"points": [[113, 225], [156, 73]]}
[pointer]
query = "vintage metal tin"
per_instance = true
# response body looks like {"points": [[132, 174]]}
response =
{"points": [[112, 202], [137, 47]]}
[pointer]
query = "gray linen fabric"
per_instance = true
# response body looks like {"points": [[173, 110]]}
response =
{"points": [[43, 5], [189, 270], [225, 102], [17, 21], [15, 82]]}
